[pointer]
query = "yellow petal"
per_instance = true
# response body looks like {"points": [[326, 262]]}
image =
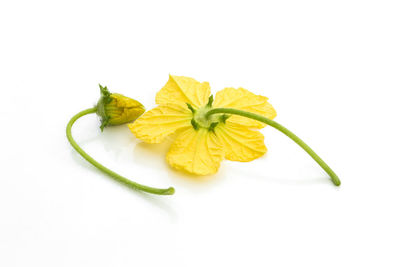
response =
{"points": [[244, 100], [160, 122], [198, 152], [240, 143], [180, 90]]}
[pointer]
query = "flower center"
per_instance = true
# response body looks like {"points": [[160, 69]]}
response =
{"points": [[201, 120]]}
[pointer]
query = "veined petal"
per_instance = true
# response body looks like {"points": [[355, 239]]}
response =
{"points": [[244, 100], [158, 123], [180, 90], [198, 152], [240, 143]]}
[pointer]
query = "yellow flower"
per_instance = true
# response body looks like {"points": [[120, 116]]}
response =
{"points": [[116, 109], [203, 142]]}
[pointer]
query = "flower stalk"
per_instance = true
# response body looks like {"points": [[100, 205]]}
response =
{"points": [[335, 179], [112, 174]]}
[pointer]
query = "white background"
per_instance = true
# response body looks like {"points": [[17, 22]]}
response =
{"points": [[330, 68]]}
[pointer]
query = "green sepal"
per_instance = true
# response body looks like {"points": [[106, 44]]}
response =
{"points": [[212, 126], [104, 123], [194, 124], [224, 117], [210, 101], [191, 108], [105, 98], [105, 94]]}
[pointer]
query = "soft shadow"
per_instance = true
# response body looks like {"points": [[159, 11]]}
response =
{"points": [[151, 155], [189, 178], [113, 138], [80, 160], [285, 180], [156, 200], [195, 183], [157, 152]]}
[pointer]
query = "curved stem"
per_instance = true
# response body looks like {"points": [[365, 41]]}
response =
{"points": [[115, 176], [284, 130]]}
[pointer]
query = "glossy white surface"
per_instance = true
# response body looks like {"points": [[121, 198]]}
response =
{"points": [[331, 70]]}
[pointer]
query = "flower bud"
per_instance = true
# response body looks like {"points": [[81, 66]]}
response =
{"points": [[116, 109]]}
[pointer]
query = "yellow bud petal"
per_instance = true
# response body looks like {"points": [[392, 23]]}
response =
{"points": [[123, 109]]}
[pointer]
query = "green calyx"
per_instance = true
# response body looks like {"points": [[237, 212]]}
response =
{"points": [[117, 109], [200, 118], [105, 98]]}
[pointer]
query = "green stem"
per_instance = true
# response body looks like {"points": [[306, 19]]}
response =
{"points": [[115, 176], [284, 130]]}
